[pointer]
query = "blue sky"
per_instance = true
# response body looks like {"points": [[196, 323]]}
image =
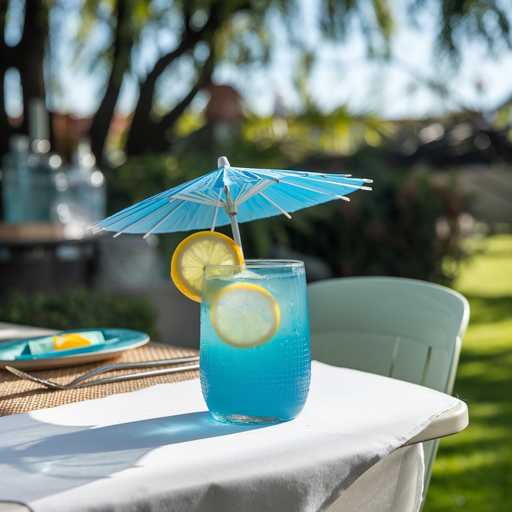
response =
{"points": [[341, 74]]}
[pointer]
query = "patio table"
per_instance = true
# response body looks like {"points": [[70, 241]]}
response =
{"points": [[158, 448]]}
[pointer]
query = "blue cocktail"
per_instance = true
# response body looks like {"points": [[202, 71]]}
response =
{"points": [[255, 359]]}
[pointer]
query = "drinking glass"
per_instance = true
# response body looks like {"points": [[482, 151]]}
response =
{"points": [[255, 357]]}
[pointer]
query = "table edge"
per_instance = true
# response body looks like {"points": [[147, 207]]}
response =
{"points": [[13, 506], [448, 423]]}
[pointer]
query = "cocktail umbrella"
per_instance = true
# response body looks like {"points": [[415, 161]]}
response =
{"points": [[230, 195]]}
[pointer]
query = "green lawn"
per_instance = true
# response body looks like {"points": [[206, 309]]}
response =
{"points": [[473, 469]]}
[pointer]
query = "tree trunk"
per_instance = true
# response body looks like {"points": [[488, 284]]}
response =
{"points": [[30, 56], [123, 43], [5, 63], [6, 129], [145, 134], [148, 135], [168, 121]]}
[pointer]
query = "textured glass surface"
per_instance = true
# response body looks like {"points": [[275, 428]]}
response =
{"points": [[265, 383]]}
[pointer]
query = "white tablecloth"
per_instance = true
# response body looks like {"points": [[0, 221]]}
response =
{"points": [[159, 449], [394, 484]]}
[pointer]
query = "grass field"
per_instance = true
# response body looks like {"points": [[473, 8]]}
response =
{"points": [[473, 469]]}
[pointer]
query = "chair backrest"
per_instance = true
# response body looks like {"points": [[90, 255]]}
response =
{"points": [[401, 328]]}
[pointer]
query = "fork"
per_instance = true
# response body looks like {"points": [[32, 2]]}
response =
{"points": [[79, 382]]}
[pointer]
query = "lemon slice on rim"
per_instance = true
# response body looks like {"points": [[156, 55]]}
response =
{"points": [[245, 315], [196, 251]]}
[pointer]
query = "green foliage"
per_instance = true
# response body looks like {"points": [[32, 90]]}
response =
{"points": [[388, 231], [145, 176], [190, 157], [473, 469], [79, 308], [393, 232], [341, 132], [148, 175], [475, 19], [207, 34]]}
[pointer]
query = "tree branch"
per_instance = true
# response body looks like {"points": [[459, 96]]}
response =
{"points": [[204, 77], [144, 134]]}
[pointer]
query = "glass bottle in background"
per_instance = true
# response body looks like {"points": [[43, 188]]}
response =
{"points": [[28, 180], [80, 194]]}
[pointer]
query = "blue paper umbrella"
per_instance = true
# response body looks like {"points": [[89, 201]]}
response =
{"points": [[230, 195]]}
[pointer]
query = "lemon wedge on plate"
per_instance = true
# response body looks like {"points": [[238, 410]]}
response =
{"points": [[245, 315], [71, 340], [196, 251]]}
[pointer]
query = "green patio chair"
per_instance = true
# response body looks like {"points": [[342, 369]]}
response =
{"points": [[401, 328]]}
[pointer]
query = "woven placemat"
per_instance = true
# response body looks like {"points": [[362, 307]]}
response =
{"points": [[19, 395]]}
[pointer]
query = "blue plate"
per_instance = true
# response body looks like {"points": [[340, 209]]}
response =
{"points": [[19, 353]]}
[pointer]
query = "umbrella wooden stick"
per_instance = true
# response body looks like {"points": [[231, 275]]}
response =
{"points": [[231, 207], [232, 211], [236, 232]]}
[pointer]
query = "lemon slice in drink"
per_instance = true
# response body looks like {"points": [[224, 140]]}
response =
{"points": [[245, 315], [196, 251]]}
